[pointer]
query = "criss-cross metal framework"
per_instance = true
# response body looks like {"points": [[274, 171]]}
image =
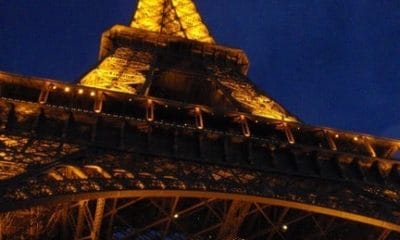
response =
{"points": [[168, 139], [171, 17], [80, 174]]}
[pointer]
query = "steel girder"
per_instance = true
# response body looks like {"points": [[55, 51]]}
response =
{"points": [[116, 175], [55, 158], [178, 218]]}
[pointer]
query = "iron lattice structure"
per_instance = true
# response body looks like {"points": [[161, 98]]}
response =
{"points": [[167, 139]]}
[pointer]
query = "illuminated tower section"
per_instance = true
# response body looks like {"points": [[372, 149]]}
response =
{"points": [[167, 138]]}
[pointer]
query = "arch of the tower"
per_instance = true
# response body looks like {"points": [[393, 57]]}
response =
{"points": [[186, 200], [186, 215]]}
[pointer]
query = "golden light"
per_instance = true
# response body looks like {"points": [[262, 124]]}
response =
{"points": [[150, 110], [176, 216], [199, 118], [54, 87], [80, 91], [284, 227], [103, 76], [150, 16], [336, 135], [177, 18], [67, 89], [245, 126], [355, 139], [92, 93]]}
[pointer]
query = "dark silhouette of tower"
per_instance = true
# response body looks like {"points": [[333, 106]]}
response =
{"points": [[166, 138]]}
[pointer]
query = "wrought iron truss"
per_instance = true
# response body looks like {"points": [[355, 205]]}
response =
{"points": [[181, 218], [171, 17], [144, 63], [167, 139], [63, 154]]}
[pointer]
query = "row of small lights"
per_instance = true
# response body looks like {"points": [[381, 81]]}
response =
{"points": [[354, 138], [80, 91], [93, 93]]}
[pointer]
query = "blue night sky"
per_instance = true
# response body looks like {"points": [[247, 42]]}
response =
{"points": [[330, 62]]}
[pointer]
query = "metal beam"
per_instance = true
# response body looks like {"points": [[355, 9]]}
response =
{"points": [[278, 222], [65, 231], [384, 235], [98, 218], [80, 220], [113, 212], [233, 219], [171, 217]]}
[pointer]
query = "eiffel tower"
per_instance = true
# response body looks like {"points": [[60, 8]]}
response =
{"points": [[167, 138]]}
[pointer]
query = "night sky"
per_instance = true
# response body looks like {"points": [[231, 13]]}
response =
{"points": [[330, 62]]}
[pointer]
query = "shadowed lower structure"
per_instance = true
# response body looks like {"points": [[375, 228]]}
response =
{"points": [[166, 138]]}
